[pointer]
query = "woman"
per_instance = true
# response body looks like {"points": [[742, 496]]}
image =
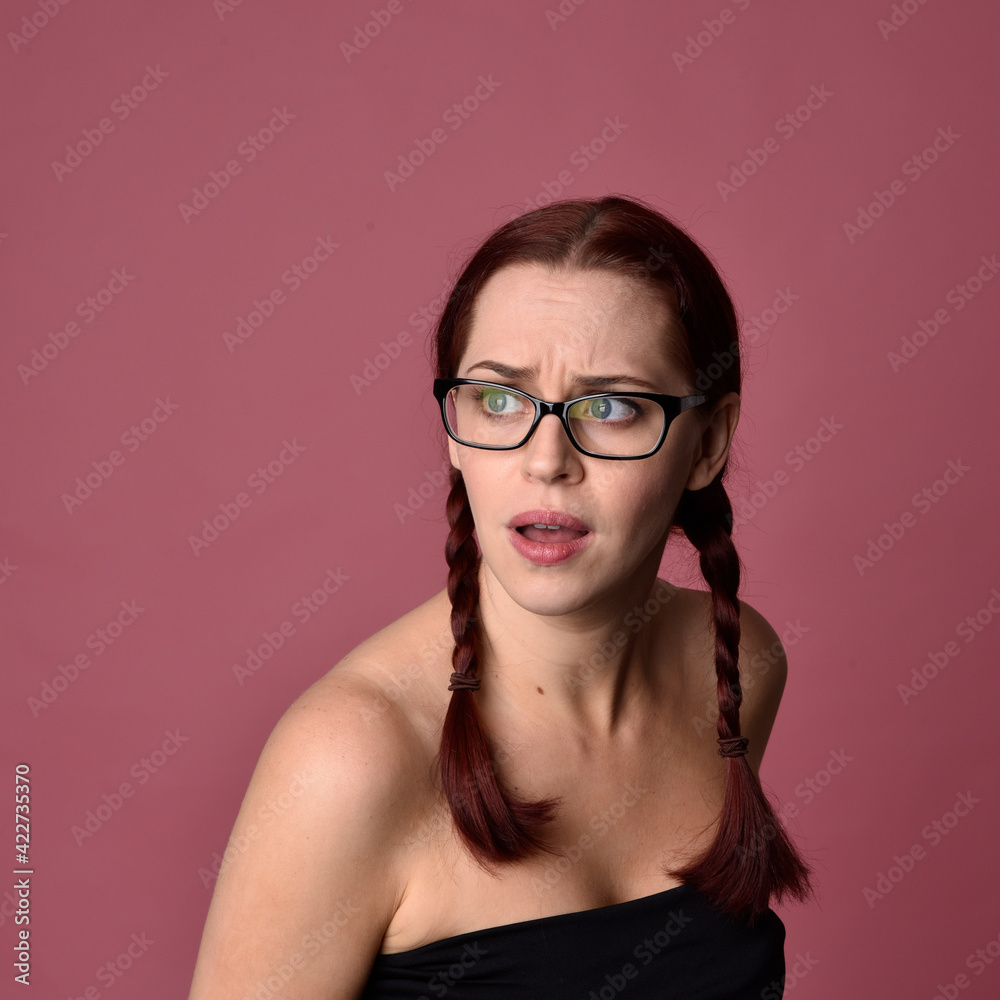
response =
{"points": [[576, 810]]}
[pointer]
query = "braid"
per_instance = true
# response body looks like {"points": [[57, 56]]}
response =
{"points": [[462, 554], [496, 827], [752, 856]]}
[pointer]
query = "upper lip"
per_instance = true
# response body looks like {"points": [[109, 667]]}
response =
{"points": [[547, 517]]}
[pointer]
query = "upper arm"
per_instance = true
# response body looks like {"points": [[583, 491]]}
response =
{"points": [[763, 672], [310, 878]]}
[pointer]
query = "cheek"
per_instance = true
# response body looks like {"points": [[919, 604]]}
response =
{"points": [[647, 505], [487, 483], [643, 500]]}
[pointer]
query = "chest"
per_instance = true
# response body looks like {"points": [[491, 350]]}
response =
{"points": [[621, 821]]}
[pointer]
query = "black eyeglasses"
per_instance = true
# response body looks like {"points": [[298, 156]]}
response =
{"points": [[601, 425]]}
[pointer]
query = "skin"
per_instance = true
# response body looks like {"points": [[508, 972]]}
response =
{"points": [[366, 859]]}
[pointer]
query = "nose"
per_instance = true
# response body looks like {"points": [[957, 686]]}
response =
{"points": [[549, 454]]}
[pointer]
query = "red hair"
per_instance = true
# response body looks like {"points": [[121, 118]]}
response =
{"points": [[751, 858]]}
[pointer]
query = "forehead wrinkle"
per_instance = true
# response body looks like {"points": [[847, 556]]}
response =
{"points": [[570, 320], [599, 293], [531, 372]]}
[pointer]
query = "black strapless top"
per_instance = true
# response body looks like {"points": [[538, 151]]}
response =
{"points": [[673, 944]]}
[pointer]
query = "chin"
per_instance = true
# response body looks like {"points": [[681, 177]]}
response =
{"points": [[546, 605], [549, 591]]}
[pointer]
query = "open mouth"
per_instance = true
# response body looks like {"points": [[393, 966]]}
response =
{"points": [[549, 533], [548, 537]]}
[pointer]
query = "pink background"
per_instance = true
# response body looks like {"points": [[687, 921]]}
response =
{"points": [[900, 761]]}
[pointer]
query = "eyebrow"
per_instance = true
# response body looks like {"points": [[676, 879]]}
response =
{"points": [[589, 381]]}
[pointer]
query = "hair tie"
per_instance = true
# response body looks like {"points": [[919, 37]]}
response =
{"points": [[733, 746], [460, 682]]}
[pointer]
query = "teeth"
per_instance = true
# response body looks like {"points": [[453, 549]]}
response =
{"points": [[550, 526]]}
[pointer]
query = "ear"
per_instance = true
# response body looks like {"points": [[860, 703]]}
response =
{"points": [[712, 447], [453, 454]]}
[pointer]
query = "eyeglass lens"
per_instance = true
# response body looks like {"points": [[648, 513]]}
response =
{"points": [[498, 417]]}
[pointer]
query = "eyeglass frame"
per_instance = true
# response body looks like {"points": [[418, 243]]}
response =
{"points": [[443, 386]]}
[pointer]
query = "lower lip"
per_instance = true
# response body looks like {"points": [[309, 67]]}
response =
{"points": [[547, 553]]}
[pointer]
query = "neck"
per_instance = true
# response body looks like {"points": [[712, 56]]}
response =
{"points": [[594, 665]]}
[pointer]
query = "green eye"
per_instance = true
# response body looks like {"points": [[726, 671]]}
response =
{"points": [[498, 401], [604, 409]]}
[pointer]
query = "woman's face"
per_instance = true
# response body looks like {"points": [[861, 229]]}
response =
{"points": [[560, 327]]}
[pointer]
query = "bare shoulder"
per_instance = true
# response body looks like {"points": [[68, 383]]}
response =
{"points": [[762, 662], [373, 699], [404, 663], [344, 725], [763, 673], [317, 862], [368, 726]]}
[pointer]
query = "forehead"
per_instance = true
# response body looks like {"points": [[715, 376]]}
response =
{"points": [[582, 320]]}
